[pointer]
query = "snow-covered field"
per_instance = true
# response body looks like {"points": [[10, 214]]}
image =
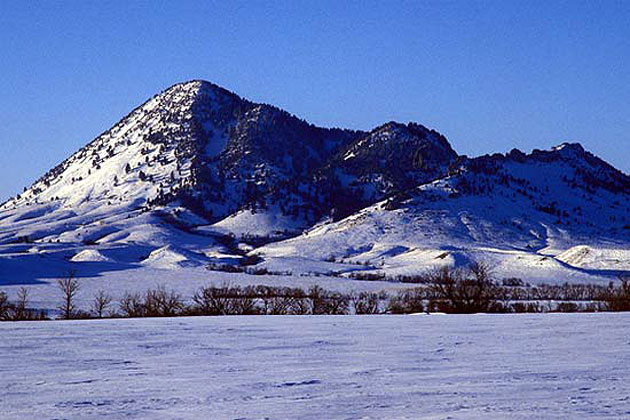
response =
{"points": [[551, 366]]}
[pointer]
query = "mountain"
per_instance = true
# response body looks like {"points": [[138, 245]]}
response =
{"points": [[197, 145], [389, 159], [197, 175], [518, 211], [205, 149]]}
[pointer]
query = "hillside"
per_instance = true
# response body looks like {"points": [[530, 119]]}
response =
{"points": [[518, 211], [198, 176]]}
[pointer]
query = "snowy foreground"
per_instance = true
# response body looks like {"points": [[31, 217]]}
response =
{"points": [[549, 366]]}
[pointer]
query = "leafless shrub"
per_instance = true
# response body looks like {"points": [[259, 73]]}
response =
{"points": [[214, 300], [567, 307], [20, 307], [5, 306], [226, 300], [278, 305], [228, 268], [465, 291], [407, 301], [617, 298], [300, 304], [19, 310], [132, 305], [324, 302], [358, 275], [162, 302], [101, 302], [366, 303], [158, 302], [522, 307], [275, 301], [512, 282], [244, 302]]}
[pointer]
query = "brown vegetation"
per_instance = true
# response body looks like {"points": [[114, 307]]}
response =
{"points": [[456, 291]]}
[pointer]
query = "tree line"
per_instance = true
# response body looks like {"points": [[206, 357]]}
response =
{"points": [[456, 291]]}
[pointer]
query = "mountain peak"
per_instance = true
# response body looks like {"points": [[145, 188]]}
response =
{"points": [[576, 147], [199, 90], [570, 150], [391, 158]]}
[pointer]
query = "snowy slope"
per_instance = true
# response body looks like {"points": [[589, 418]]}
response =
{"points": [[198, 175], [389, 159], [516, 211], [203, 148]]}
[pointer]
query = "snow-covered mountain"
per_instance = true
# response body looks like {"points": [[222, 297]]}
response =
{"points": [[389, 159], [517, 211], [198, 145], [198, 175]]}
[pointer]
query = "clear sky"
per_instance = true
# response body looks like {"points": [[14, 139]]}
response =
{"points": [[489, 75]]}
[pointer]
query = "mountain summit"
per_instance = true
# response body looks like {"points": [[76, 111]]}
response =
{"points": [[205, 148], [200, 169]]}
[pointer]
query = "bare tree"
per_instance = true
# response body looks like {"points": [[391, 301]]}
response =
{"points": [[366, 303], [408, 301], [69, 288], [465, 291], [162, 302], [275, 300], [317, 298], [617, 298], [5, 306], [324, 302], [101, 302], [300, 303], [214, 300], [132, 305], [20, 310], [245, 301]]}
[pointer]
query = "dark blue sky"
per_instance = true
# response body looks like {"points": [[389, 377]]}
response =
{"points": [[489, 75]]}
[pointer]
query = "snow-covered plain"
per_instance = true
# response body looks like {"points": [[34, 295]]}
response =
{"points": [[551, 366]]}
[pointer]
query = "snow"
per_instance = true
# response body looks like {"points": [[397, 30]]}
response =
{"points": [[271, 223], [169, 268], [547, 366], [91, 255], [170, 257], [440, 223], [551, 216], [111, 214], [588, 257]]}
